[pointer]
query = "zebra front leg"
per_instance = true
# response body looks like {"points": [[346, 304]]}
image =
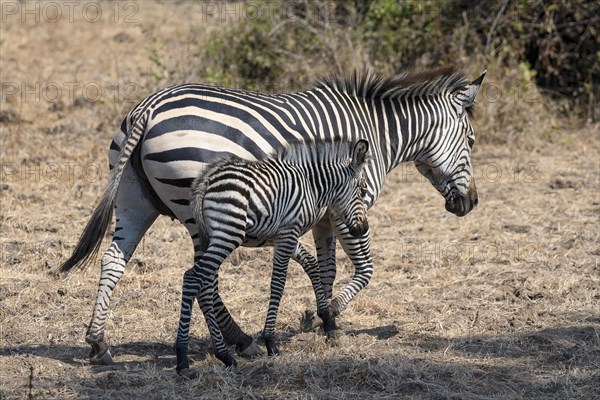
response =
{"points": [[284, 249], [311, 267], [325, 244], [358, 250], [324, 237]]}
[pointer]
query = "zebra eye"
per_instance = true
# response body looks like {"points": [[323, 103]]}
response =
{"points": [[363, 188], [471, 142]]}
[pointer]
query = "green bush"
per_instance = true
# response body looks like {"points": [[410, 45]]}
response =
{"points": [[244, 55], [552, 45]]}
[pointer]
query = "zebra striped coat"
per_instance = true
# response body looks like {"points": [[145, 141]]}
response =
{"points": [[169, 137], [272, 202]]}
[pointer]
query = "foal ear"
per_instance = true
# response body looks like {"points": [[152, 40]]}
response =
{"points": [[359, 154]]}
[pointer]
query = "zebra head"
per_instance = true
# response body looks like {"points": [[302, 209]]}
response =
{"points": [[446, 161], [349, 202]]}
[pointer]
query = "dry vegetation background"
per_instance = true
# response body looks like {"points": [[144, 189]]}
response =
{"points": [[503, 303]]}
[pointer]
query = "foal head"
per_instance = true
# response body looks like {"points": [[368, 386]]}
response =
{"points": [[349, 202]]}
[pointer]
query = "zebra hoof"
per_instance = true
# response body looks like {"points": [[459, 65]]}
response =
{"points": [[189, 373], [252, 350], [272, 350], [228, 360], [335, 334], [335, 308], [310, 321], [104, 358]]}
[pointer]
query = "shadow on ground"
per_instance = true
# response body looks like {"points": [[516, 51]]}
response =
{"points": [[548, 363], [78, 355]]}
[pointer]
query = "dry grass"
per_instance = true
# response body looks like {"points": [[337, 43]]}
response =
{"points": [[503, 303]]}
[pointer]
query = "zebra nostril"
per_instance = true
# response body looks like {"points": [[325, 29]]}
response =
{"points": [[476, 201]]}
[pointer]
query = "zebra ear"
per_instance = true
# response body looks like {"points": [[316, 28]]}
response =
{"points": [[468, 94], [359, 154]]}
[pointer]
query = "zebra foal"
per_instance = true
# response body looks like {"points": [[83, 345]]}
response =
{"points": [[268, 203]]}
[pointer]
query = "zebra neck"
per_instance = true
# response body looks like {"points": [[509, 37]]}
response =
{"points": [[326, 180], [410, 126], [388, 132]]}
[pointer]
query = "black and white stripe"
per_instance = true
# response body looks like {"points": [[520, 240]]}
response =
{"points": [[268, 203], [422, 117]]}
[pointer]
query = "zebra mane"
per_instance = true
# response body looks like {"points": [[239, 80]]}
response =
{"points": [[369, 85], [316, 152]]}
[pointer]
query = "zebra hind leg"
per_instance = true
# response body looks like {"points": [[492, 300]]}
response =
{"points": [[113, 265], [232, 334], [198, 282], [112, 268], [134, 214]]}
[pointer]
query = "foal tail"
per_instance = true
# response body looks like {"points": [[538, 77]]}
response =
{"points": [[199, 187]]}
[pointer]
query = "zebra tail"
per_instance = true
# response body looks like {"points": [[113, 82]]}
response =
{"points": [[199, 188], [91, 238]]}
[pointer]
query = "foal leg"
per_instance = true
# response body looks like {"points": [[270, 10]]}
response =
{"points": [[324, 238], [358, 250], [310, 266], [284, 249], [199, 281], [232, 334]]}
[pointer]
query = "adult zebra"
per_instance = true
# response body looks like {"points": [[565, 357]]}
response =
{"points": [[166, 140]]}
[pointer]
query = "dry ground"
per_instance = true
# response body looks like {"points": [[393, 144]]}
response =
{"points": [[503, 303]]}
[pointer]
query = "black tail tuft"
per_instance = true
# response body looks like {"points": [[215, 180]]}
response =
{"points": [[91, 238]]}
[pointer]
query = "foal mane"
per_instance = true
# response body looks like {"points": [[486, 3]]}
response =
{"points": [[318, 152]]}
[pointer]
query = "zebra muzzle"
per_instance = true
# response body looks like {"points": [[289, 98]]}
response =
{"points": [[460, 205]]}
